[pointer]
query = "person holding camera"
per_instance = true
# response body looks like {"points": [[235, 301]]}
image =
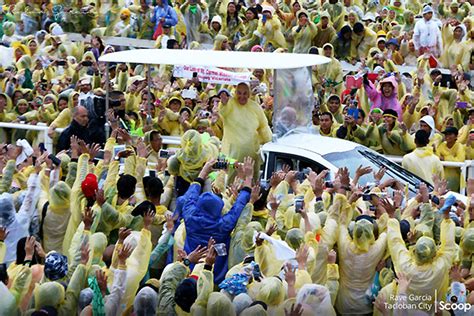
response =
{"points": [[203, 219]]}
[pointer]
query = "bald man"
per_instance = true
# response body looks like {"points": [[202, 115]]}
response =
{"points": [[78, 127]]}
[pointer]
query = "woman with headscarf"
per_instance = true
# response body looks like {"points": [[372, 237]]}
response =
{"points": [[409, 19], [123, 28], [245, 126], [232, 25], [251, 24], [325, 31], [269, 29], [386, 96], [453, 44], [303, 33], [221, 43]]}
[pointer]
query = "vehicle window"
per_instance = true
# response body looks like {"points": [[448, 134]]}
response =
{"points": [[362, 156], [295, 162]]}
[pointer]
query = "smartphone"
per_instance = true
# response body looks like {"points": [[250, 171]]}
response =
{"points": [[328, 184], [220, 165], [220, 249], [372, 208], [164, 154], [354, 113], [264, 18], [366, 197], [435, 199], [56, 161], [87, 63], [299, 203], [42, 148]]}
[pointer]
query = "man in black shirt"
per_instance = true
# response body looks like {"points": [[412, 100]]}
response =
{"points": [[78, 127]]}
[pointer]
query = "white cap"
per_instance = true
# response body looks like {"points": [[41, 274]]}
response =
{"points": [[217, 19], [369, 16], [427, 9], [268, 8]]}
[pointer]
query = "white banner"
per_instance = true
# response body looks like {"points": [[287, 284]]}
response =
{"points": [[211, 74]]}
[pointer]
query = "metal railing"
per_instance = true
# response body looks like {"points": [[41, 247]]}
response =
{"points": [[466, 167], [48, 142]]}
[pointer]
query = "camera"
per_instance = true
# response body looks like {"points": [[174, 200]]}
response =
{"points": [[205, 114], [299, 203], [87, 63], [56, 161], [328, 184], [61, 62], [301, 175], [164, 154], [99, 106], [220, 165], [220, 249]]}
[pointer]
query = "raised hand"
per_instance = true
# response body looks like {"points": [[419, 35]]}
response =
{"points": [[123, 234], [362, 171], [295, 310], [85, 253], [88, 218], [101, 281], [148, 219], [142, 150], [332, 256], [379, 174], [248, 167], [30, 247], [403, 282], [197, 254], [124, 253], [211, 253], [3, 234], [302, 256], [276, 178], [290, 274], [100, 197], [255, 195]]}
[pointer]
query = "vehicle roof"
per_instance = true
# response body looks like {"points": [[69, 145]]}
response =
{"points": [[215, 58], [315, 143]]}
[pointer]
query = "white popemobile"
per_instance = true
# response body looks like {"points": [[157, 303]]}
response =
{"points": [[298, 147]]}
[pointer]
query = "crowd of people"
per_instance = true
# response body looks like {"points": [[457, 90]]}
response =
{"points": [[114, 222]]}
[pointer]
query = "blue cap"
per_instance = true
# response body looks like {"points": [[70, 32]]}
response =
{"points": [[448, 202], [392, 41]]}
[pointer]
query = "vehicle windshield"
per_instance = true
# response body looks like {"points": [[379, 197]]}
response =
{"points": [[358, 156]]}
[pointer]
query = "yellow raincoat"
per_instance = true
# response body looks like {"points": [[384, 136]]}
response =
{"points": [[423, 163], [358, 258], [427, 268], [245, 129]]}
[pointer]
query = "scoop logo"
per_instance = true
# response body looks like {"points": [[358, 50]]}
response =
{"points": [[448, 306]]}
